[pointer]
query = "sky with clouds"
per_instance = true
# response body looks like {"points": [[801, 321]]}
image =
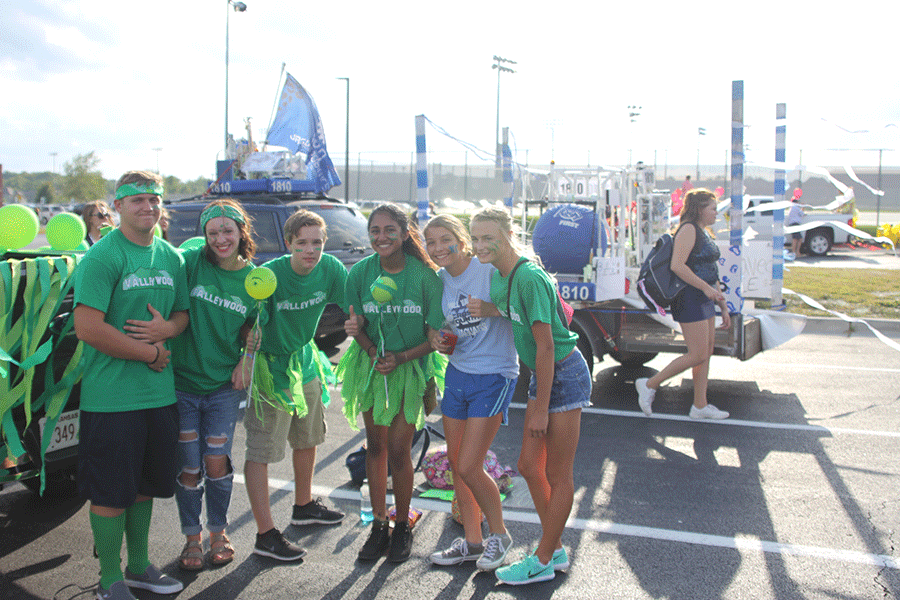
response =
{"points": [[123, 78]]}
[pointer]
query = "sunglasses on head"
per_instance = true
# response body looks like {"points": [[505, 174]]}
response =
{"points": [[102, 215]]}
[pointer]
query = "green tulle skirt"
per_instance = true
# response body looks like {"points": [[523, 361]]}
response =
{"points": [[366, 389], [278, 380]]}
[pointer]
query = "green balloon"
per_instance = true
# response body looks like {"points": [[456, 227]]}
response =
{"points": [[18, 226], [194, 242], [65, 231]]}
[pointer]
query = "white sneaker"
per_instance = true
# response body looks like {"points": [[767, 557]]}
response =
{"points": [[645, 395], [707, 412]]}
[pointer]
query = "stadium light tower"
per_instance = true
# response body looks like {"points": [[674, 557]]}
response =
{"points": [[500, 69], [238, 7]]}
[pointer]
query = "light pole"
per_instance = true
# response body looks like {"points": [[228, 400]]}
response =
{"points": [[238, 7], [633, 114], [53, 154], [347, 145], [701, 131], [500, 69], [157, 150]]}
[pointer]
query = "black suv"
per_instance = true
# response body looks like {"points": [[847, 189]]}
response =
{"points": [[348, 238]]}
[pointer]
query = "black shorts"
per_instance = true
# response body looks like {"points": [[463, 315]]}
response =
{"points": [[123, 455], [692, 305]]}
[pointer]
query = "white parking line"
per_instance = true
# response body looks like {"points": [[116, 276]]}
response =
{"points": [[828, 368], [744, 542], [633, 414]]}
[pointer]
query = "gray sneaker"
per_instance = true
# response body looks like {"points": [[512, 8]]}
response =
{"points": [[495, 548], [117, 591], [155, 581], [458, 552]]}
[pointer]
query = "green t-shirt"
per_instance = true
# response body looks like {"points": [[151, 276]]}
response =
{"points": [[119, 278], [402, 319], [205, 354], [292, 313], [533, 298]]}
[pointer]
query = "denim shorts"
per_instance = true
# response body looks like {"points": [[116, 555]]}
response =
{"points": [[571, 384], [476, 396], [692, 305]]}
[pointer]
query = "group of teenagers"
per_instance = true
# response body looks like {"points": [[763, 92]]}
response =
{"points": [[172, 337]]}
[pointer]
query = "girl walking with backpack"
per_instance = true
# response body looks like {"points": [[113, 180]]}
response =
{"points": [[560, 387], [695, 261]]}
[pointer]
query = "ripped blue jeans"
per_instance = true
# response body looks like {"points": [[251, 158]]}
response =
{"points": [[206, 431]]}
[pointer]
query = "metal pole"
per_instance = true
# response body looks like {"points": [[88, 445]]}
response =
{"points": [[227, 19], [878, 197], [347, 145], [497, 131]]}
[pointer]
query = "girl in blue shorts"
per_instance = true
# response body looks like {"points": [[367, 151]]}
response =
{"points": [[560, 387], [479, 384], [695, 260]]}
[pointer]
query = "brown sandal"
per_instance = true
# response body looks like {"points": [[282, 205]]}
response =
{"points": [[221, 552], [191, 558]]}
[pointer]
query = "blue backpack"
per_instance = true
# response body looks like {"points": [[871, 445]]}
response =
{"points": [[656, 283]]}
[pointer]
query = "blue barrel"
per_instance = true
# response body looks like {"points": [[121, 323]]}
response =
{"points": [[565, 236]]}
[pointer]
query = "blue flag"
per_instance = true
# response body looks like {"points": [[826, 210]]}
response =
{"points": [[298, 127]]}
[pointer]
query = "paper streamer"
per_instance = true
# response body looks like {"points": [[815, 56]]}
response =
{"points": [[809, 301], [852, 175]]}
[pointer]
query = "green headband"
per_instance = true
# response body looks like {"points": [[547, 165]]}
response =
{"points": [[218, 210], [133, 189]]}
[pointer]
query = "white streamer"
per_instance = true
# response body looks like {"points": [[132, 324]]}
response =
{"points": [[852, 175], [889, 342]]}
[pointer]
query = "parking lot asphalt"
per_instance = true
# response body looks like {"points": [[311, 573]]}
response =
{"points": [[795, 496]]}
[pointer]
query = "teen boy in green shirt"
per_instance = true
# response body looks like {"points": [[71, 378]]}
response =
{"points": [[288, 367], [129, 423]]}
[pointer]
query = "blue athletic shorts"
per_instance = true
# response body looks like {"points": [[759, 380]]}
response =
{"points": [[467, 396], [692, 305], [122, 455], [571, 384]]}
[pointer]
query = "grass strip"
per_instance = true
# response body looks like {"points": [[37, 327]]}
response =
{"points": [[872, 293]]}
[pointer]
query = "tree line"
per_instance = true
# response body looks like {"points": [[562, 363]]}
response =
{"points": [[82, 181]]}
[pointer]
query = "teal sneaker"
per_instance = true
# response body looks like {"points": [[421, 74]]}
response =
{"points": [[560, 560], [527, 570]]}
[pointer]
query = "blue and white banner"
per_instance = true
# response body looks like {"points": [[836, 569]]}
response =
{"points": [[298, 127]]}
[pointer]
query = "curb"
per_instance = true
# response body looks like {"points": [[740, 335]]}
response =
{"points": [[832, 326]]}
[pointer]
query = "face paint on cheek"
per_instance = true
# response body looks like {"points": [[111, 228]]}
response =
{"points": [[453, 249], [393, 236], [494, 247]]}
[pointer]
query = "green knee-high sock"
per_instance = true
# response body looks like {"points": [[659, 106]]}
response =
{"points": [[108, 532], [137, 535]]}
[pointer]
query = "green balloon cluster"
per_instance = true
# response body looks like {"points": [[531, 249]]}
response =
{"points": [[18, 226], [65, 232]]}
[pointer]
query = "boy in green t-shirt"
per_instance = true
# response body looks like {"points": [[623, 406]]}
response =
{"points": [[129, 423], [289, 372]]}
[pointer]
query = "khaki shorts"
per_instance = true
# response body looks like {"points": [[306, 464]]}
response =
{"points": [[266, 436]]}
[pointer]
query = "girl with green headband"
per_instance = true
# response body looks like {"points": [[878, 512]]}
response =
{"points": [[210, 373]]}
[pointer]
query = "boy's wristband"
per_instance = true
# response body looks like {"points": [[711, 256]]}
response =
{"points": [[157, 356]]}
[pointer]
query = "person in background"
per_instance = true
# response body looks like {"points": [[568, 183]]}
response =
{"points": [[164, 223], [479, 384], [210, 375], [128, 431], [795, 217], [695, 260], [389, 368], [686, 186], [290, 375], [96, 214], [560, 387]]}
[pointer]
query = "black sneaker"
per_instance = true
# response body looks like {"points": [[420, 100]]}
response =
{"points": [[401, 543], [378, 542], [315, 513], [273, 544]]}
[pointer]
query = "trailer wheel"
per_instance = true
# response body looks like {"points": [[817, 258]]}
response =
{"points": [[631, 359], [818, 242]]}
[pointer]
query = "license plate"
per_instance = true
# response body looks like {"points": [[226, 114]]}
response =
{"points": [[65, 433]]}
